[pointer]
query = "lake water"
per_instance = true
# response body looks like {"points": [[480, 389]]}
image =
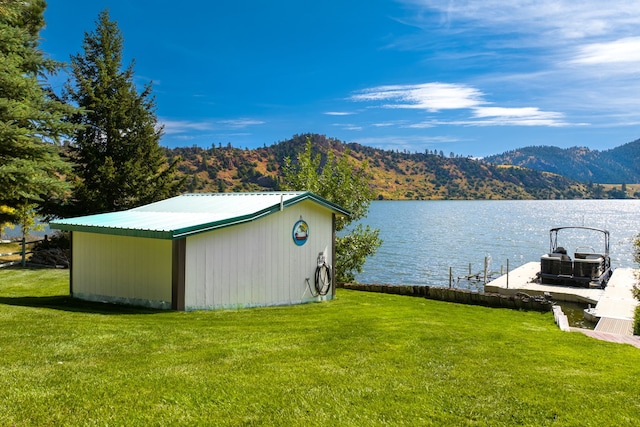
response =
{"points": [[423, 239]]}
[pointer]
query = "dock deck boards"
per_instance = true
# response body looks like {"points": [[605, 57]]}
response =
{"points": [[522, 279], [615, 326]]}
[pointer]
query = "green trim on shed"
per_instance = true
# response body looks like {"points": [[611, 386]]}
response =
{"points": [[114, 231], [182, 216]]}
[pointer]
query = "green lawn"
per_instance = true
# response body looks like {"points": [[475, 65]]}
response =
{"points": [[362, 359]]}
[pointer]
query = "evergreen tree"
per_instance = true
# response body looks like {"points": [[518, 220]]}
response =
{"points": [[347, 186], [120, 164], [31, 118]]}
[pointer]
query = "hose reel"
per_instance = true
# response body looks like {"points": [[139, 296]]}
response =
{"points": [[323, 276]]}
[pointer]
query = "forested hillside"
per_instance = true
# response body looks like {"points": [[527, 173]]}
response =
{"points": [[395, 175], [616, 166]]}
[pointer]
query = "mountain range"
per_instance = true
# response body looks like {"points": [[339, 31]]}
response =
{"points": [[528, 173], [615, 166]]}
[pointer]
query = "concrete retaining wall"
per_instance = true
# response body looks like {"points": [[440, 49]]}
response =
{"points": [[462, 296]]}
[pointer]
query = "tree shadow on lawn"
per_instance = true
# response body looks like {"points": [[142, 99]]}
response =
{"points": [[68, 303]]}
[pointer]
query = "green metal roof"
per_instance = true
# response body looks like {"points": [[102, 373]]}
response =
{"points": [[189, 214]]}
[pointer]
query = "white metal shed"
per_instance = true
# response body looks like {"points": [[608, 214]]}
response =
{"points": [[207, 251]]}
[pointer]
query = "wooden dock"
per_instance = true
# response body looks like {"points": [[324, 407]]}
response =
{"points": [[614, 306]]}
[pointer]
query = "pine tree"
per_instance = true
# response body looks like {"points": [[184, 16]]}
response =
{"points": [[31, 117], [120, 164]]}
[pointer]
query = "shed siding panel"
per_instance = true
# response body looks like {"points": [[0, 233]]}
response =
{"points": [[121, 268], [257, 263]]}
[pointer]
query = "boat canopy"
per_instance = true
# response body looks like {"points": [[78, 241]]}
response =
{"points": [[553, 236]]}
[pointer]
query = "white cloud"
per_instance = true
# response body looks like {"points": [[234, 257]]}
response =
{"points": [[624, 50], [523, 63], [173, 127], [348, 126], [437, 97], [338, 113], [427, 96], [500, 116], [424, 125], [241, 123], [191, 127], [412, 143], [551, 19], [389, 124], [526, 116]]}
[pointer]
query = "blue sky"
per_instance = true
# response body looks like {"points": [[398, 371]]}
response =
{"points": [[468, 77]]}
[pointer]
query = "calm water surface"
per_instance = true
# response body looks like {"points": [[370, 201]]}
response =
{"points": [[422, 239]]}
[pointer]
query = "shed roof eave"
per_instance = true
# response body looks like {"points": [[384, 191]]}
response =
{"points": [[114, 231]]}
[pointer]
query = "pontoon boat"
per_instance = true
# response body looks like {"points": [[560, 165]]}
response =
{"points": [[588, 268]]}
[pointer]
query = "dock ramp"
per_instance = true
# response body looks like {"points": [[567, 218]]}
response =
{"points": [[616, 308]]}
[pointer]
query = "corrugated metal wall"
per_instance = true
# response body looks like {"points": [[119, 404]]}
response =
{"points": [[131, 270], [257, 263]]}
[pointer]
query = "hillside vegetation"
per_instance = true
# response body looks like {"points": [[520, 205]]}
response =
{"points": [[615, 166], [395, 175]]}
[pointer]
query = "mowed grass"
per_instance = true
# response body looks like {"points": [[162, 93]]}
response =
{"points": [[363, 359]]}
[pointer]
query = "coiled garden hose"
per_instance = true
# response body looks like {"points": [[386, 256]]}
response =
{"points": [[323, 278]]}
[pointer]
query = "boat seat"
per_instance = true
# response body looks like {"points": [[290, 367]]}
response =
{"points": [[566, 266], [589, 267], [553, 255], [550, 263]]}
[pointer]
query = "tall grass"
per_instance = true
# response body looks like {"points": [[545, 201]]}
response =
{"points": [[362, 359]]}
